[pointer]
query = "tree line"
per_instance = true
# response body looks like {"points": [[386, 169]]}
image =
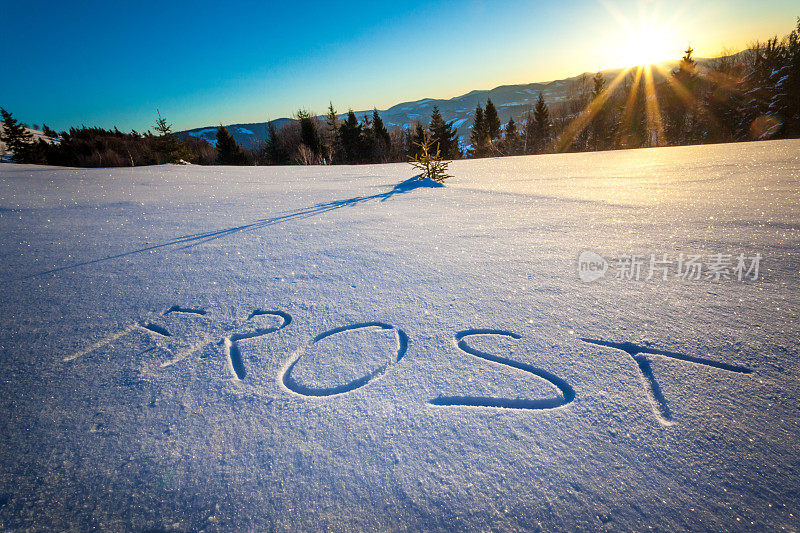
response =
{"points": [[751, 95], [311, 140], [98, 147]]}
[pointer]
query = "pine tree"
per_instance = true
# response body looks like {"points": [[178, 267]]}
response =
{"points": [[273, 148], [332, 145], [682, 112], [478, 137], [368, 144], [407, 140], [599, 123], [228, 152], [331, 120], [417, 138], [687, 67], [791, 86], [350, 136], [309, 132], [492, 120], [167, 145], [18, 140], [161, 125], [510, 129], [436, 126], [49, 132], [383, 141], [599, 85], [511, 144], [632, 129], [449, 136], [761, 91], [428, 159], [725, 99], [443, 134], [542, 126], [784, 85]]}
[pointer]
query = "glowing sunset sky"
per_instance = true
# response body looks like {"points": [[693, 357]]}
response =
{"points": [[205, 63]]}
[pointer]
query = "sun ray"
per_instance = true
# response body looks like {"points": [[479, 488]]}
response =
{"points": [[686, 96], [580, 123], [677, 87], [627, 111], [654, 123], [621, 19]]}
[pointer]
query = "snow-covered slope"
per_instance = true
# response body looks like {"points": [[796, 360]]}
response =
{"points": [[248, 135], [339, 348], [5, 154]]}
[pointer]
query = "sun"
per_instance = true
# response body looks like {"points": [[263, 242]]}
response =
{"points": [[641, 50], [646, 45], [646, 39]]}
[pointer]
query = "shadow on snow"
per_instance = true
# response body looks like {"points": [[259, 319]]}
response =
{"points": [[200, 238]]}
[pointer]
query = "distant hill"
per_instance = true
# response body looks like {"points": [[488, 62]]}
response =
{"points": [[247, 135], [510, 100], [5, 154]]}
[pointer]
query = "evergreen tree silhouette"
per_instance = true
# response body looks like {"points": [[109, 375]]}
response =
{"points": [[19, 140], [332, 135], [511, 144], [784, 84], [492, 120], [383, 142], [683, 124], [418, 138], [49, 132], [170, 148], [273, 149], [478, 137], [791, 87], [309, 133], [541, 126], [599, 124], [350, 136], [228, 152], [444, 135]]}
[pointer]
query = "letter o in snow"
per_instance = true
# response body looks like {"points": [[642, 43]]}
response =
{"points": [[298, 388]]}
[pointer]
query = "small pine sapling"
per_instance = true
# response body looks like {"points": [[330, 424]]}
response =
{"points": [[430, 163]]}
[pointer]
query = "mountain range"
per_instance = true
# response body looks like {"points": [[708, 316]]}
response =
{"points": [[510, 100]]}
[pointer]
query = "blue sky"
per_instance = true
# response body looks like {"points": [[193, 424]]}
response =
{"points": [[204, 63]]}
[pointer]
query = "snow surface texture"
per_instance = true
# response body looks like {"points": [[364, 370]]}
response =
{"points": [[338, 348]]}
